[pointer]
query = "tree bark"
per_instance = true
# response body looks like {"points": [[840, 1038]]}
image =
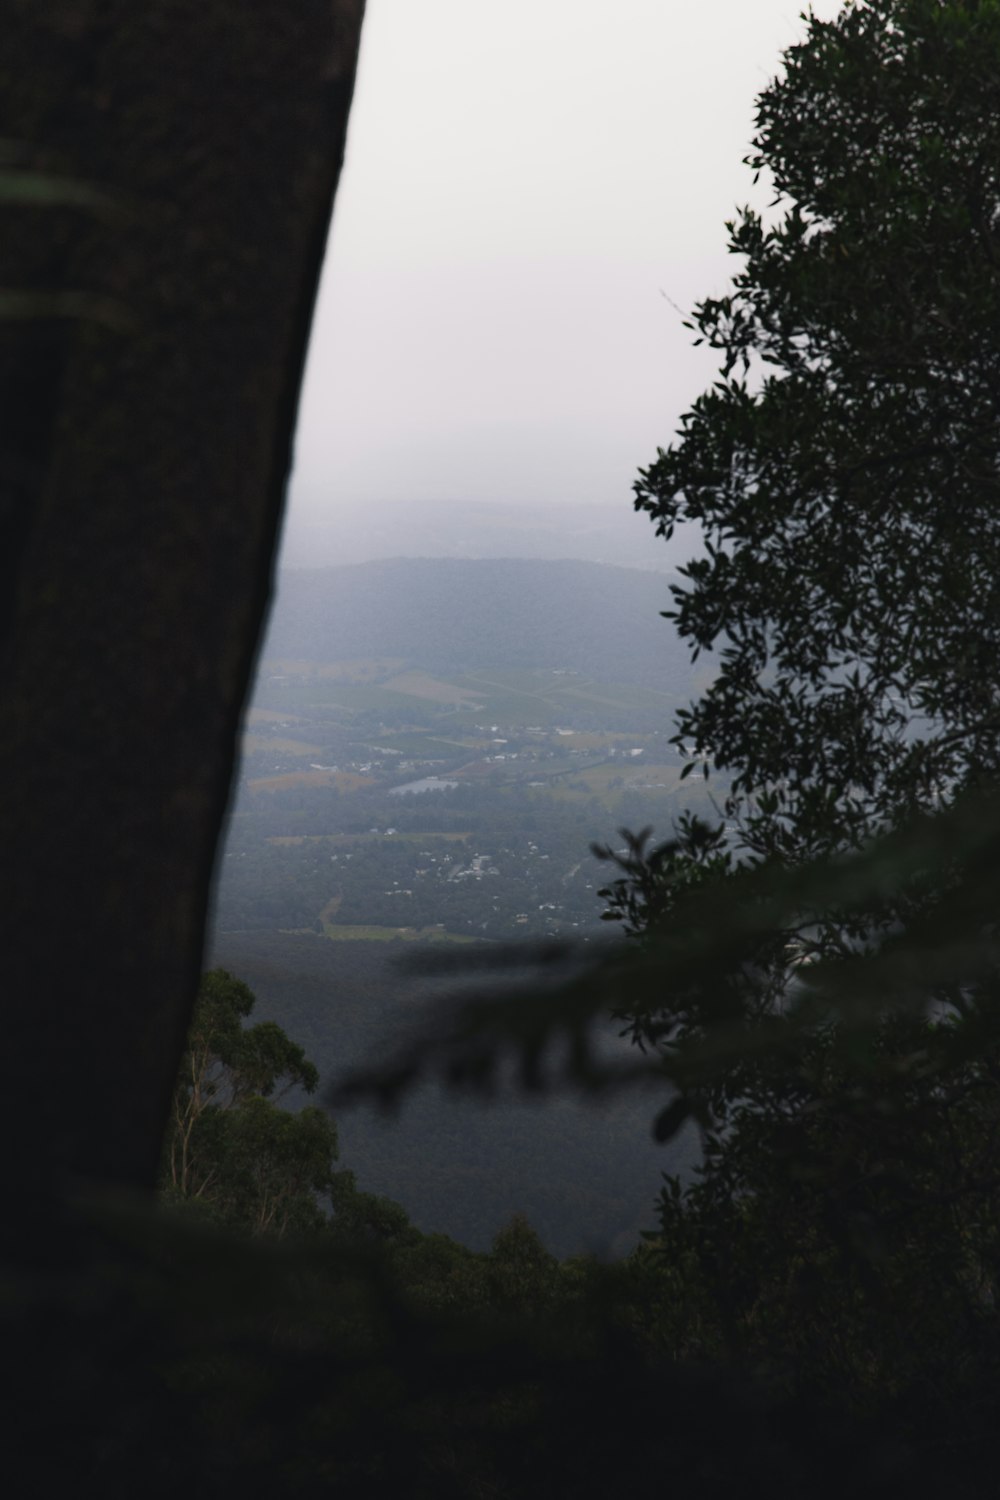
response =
{"points": [[149, 403]]}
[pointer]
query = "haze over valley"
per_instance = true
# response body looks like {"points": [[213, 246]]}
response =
{"points": [[431, 749], [327, 535]]}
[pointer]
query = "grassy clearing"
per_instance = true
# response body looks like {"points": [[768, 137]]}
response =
{"points": [[500, 706], [363, 669], [433, 689], [269, 716], [608, 783], [294, 689], [420, 746], [502, 683], [359, 934], [634, 776], [582, 739], [344, 781], [620, 696], [253, 742], [308, 697], [545, 698], [364, 838]]}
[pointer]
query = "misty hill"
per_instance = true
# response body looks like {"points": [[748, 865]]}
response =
{"points": [[318, 535], [449, 613]]}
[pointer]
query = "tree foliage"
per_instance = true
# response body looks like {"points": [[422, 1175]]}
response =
{"points": [[844, 468], [845, 473], [840, 1048], [229, 1145]]}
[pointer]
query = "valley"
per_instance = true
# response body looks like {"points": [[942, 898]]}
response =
{"points": [[442, 793]]}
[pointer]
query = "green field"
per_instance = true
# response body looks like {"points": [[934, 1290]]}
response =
{"points": [[364, 838], [524, 696], [365, 934], [252, 742], [424, 746]]}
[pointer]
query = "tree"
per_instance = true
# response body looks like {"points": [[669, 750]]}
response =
{"points": [[229, 1146], [841, 1047], [844, 468], [275, 1167], [845, 472], [149, 406], [251, 1165], [224, 1134]]}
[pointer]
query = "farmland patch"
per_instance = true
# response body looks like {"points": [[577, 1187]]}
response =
{"points": [[344, 781]]}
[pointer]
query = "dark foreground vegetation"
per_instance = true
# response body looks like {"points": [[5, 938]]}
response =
{"points": [[271, 1327], [812, 980]]}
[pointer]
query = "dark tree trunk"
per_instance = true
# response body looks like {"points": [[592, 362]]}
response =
{"points": [[148, 405]]}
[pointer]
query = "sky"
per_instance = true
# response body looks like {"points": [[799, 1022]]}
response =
{"points": [[531, 191]]}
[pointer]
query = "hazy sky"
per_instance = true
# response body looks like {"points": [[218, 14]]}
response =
{"points": [[525, 180]]}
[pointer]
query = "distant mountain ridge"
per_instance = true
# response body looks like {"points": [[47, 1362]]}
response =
{"points": [[453, 613], [339, 535]]}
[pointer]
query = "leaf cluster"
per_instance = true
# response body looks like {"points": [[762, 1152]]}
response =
{"points": [[229, 1146]]}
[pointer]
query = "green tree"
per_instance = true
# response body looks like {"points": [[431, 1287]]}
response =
{"points": [[845, 467], [229, 1145], [278, 1166], [845, 473], [827, 979]]}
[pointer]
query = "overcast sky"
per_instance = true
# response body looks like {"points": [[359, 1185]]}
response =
{"points": [[526, 183]]}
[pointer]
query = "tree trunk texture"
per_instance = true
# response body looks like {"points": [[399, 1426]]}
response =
{"points": [[151, 353]]}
